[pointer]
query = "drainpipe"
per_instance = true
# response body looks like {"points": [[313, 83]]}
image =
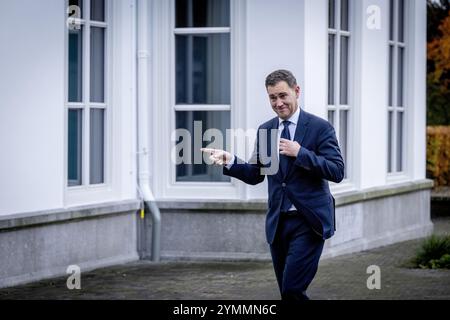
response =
{"points": [[143, 131]]}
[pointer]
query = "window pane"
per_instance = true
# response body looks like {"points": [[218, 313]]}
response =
{"points": [[97, 86], [331, 57], [79, 4], [74, 147], [98, 10], [401, 20], [343, 134], [391, 75], [196, 169], [202, 13], [391, 20], [344, 15], [344, 71], [400, 69], [203, 69], [331, 14], [331, 117], [390, 141], [75, 65], [400, 141], [97, 146]]}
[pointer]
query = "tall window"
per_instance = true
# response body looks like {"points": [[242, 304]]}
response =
{"points": [[202, 79], [338, 71], [86, 92], [396, 97]]}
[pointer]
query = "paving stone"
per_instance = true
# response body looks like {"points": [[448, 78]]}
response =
{"points": [[343, 277]]}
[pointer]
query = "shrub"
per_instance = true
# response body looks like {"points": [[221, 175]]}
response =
{"points": [[434, 253], [443, 262]]}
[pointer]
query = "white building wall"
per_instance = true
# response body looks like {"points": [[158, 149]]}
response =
{"points": [[371, 96], [31, 105], [32, 108], [371, 89], [285, 34], [417, 28], [32, 132], [124, 95], [315, 65]]}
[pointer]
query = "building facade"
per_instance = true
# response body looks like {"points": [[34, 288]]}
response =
{"points": [[92, 93]]}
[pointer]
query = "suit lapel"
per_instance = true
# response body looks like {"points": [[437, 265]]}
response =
{"points": [[302, 126], [274, 126], [276, 158], [266, 145], [300, 132]]}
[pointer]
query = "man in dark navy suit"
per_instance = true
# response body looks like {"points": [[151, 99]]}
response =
{"points": [[301, 210]]}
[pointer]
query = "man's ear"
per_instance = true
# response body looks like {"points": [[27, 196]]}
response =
{"points": [[297, 91]]}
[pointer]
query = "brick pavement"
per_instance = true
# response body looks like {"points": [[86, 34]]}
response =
{"points": [[342, 277]]}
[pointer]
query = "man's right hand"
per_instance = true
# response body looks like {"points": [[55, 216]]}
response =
{"points": [[217, 156]]}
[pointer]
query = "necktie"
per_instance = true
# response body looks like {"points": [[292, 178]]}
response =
{"points": [[284, 165], [284, 160]]}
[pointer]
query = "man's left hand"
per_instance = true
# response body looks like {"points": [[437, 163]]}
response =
{"points": [[289, 148]]}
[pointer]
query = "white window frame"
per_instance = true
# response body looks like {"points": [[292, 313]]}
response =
{"points": [[398, 176], [162, 86], [347, 183], [86, 192]]}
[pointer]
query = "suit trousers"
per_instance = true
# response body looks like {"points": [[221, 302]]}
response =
{"points": [[295, 254]]}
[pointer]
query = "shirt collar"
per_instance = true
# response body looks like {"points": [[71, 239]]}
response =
{"points": [[293, 119]]}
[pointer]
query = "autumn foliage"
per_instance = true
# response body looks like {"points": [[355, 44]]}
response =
{"points": [[438, 67], [438, 155], [439, 53]]}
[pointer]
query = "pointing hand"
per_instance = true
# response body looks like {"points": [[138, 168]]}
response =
{"points": [[217, 156]]}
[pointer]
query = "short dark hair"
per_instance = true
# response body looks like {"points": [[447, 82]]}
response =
{"points": [[281, 75]]}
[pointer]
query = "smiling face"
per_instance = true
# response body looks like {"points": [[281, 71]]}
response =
{"points": [[283, 99]]}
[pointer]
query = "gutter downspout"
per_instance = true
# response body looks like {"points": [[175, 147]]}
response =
{"points": [[143, 137]]}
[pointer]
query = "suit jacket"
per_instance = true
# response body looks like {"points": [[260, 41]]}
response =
{"points": [[305, 182]]}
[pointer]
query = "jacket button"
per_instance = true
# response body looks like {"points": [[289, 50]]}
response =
{"points": [[283, 184]]}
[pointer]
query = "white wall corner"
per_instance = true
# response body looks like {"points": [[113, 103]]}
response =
{"points": [[371, 89], [417, 38]]}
